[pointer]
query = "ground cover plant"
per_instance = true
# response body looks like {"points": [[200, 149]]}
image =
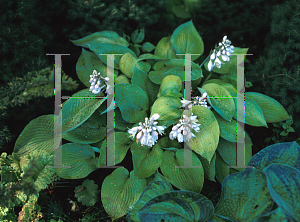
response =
{"points": [[152, 125]]}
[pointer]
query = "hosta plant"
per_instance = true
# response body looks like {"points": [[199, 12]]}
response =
{"points": [[149, 117]]}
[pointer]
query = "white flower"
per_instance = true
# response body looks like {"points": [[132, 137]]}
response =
{"points": [[95, 87], [197, 101], [224, 49], [186, 125], [147, 132]]}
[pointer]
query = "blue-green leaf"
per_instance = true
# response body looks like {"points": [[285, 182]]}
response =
{"points": [[284, 187]]}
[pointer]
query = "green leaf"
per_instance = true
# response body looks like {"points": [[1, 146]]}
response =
{"points": [[166, 142], [179, 205], [275, 215], [88, 196], [101, 37], [77, 110], [167, 108], [138, 35], [120, 123], [38, 135], [227, 151], [146, 160], [206, 141], [148, 47], [272, 110], [108, 48], [120, 190], [81, 159], [283, 153], [209, 168], [121, 146], [150, 56], [220, 99], [159, 75], [89, 132], [228, 130], [253, 113], [132, 101], [153, 189], [222, 169], [164, 49], [230, 66], [121, 79], [170, 86], [191, 179], [283, 183], [186, 40], [244, 196], [86, 64], [141, 79], [127, 64]]}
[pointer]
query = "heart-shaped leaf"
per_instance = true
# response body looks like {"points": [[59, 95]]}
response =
{"points": [[272, 110], [283, 183], [207, 138], [146, 160], [132, 101], [283, 153], [179, 205], [81, 159], [191, 179], [185, 39], [120, 190], [245, 196]]}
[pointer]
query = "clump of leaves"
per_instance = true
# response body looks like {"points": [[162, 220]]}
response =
{"points": [[87, 193]]}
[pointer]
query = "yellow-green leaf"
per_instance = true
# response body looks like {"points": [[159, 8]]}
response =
{"points": [[120, 190], [191, 179], [272, 110], [206, 141], [220, 99]]}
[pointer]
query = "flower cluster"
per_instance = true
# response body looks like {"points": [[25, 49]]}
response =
{"points": [[147, 134], [96, 81], [197, 101], [224, 49], [185, 125]]}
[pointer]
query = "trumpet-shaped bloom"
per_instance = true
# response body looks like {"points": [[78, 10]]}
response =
{"points": [[147, 132], [183, 130], [224, 50], [96, 81], [197, 101]]}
